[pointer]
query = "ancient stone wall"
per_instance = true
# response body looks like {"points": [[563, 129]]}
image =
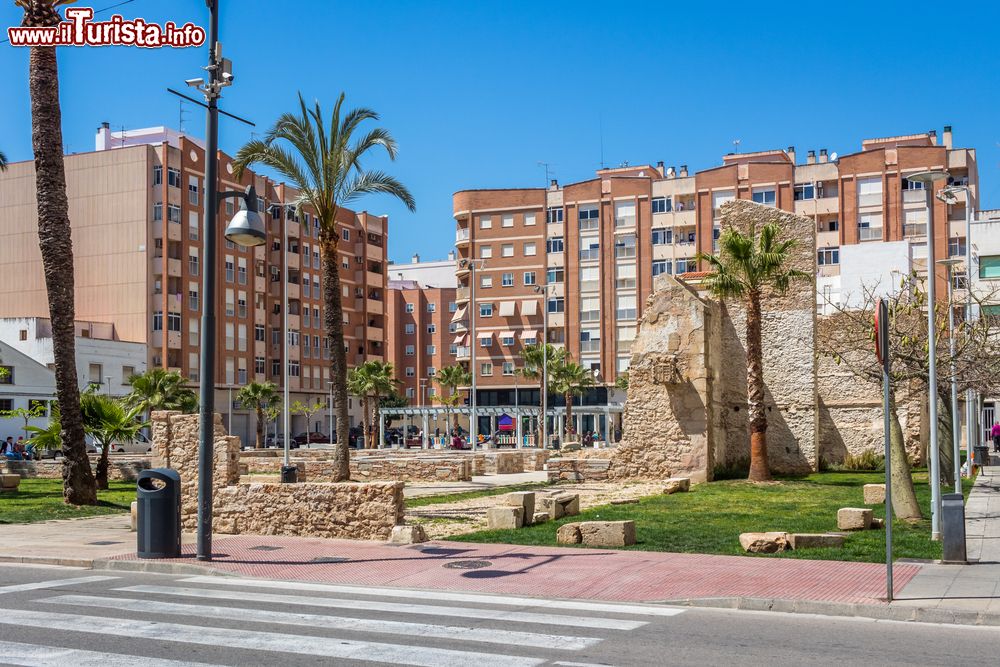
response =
{"points": [[125, 469], [579, 470]]}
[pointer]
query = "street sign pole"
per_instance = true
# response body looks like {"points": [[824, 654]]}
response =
{"points": [[882, 353]]}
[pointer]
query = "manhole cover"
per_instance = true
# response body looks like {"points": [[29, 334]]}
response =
{"points": [[265, 547], [467, 564], [101, 543], [329, 559]]}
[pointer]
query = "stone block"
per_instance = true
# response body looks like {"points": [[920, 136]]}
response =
{"points": [[676, 485], [816, 541], [764, 543], [854, 518], [874, 494], [607, 533], [9, 482], [569, 534], [134, 520], [523, 499], [504, 518], [540, 517], [408, 535], [550, 507]]}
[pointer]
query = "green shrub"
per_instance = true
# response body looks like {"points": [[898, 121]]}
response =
{"points": [[736, 469], [868, 460]]}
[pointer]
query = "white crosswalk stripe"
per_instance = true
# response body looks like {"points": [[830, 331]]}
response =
{"points": [[395, 607], [54, 583], [32, 655]]}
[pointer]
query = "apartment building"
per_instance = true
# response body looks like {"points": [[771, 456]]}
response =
{"points": [[599, 243], [137, 210]]}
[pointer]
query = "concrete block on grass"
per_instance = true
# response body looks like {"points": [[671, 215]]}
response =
{"points": [[764, 543], [608, 533], [9, 482], [816, 541], [504, 518], [874, 494], [569, 533], [676, 485], [525, 500], [854, 518], [408, 535]]}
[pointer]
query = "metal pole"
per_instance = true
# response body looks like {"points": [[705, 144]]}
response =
{"points": [[886, 426], [956, 423], [473, 425], [932, 387], [285, 418], [230, 411], [545, 365], [517, 412], [206, 389], [971, 402]]}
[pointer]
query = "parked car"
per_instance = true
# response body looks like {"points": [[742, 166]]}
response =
{"points": [[141, 445], [309, 438]]}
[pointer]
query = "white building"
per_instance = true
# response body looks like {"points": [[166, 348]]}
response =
{"points": [[865, 269], [101, 359], [25, 383], [439, 273]]}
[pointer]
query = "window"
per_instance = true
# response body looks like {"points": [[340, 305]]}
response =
{"points": [[174, 322], [173, 213], [173, 177], [765, 196], [409, 308], [590, 278], [431, 328], [486, 369], [590, 248], [625, 276], [6, 404], [241, 271], [625, 214], [193, 190], [625, 246], [485, 252], [721, 197], [410, 350], [258, 333], [529, 278], [432, 307], [127, 372], [275, 367], [912, 185], [409, 329], [453, 350], [556, 304], [870, 191], [554, 244], [626, 333], [486, 282], [486, 340], [410, 371], [431, 350], [241, 304], [529, 219], [804, 191], [193, 299], [231, 303], [554, 215], [258, 365], [157, 212], [486, 310], [626, 307], [683, 266], [157, 175], [452, 307], [485, 222], [662, 236], [23, 333], [590, 218], [157, 320], [529, 249], [7, 377], [507, 220], [661, 205], [956, 246], [507, 340], [230, 269], [293, 369], [661, 266], [507, 250], [507, 280], [345, 234], [590, 340], [508, 368], [989, 267], [556, 275], [869, 227], [193, 226]]}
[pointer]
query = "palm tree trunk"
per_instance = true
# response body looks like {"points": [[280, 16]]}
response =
{"points": [[102, 468], [569, 415], [56, 245], [759, 469], [367, 437], [260, 427], [946, 454], [904, 496], [338, 357], [374, 421]]}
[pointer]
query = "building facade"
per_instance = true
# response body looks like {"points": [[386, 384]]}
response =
{"points": [[137, 211], [598, 244], [421, 337]]}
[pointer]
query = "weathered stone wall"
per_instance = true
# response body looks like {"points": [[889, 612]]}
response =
{"points": [[578, 470], [119, 468], [412, 466], [348, 511]]}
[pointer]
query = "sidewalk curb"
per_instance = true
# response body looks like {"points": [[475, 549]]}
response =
{"points": [[158, 567], [50, 560], [879, 612]]}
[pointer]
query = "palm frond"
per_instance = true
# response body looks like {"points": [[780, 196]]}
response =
{"points": [[370, 182]]}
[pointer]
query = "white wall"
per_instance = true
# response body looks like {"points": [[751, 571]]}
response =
{"points": [[29, 381], [428, 274], [873, 268]]}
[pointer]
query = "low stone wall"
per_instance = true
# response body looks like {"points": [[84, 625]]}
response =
{"points": [[405, 469], [118, 468], [346, 511], [578, 470], [534, 459]]}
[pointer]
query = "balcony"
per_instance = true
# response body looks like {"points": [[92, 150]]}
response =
{"points": [[914, 196], [294, 290], [461, 326], [376, 333], [373, 279], [685, 217], [293, 259], [374, 306], [375, 252], [913, 229], [461, 294], [818, 206], [869, 233], [461, 236], [173, 340], [873, 199], [173, 267], [463, 353]]}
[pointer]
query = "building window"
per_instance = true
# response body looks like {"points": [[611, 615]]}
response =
{"points": [[486, 340], [157, 320], [828, 256], [193, 299], [766, 196], [557, 304], [556, 275], [410, 371], [241, 272], [345, 234], [258, 365], [989, 267], [907, 184], [157, 175], [157, 212], [193, 192], [590, 340], [409, 328], [174, 322], [529, 278], [626, 307], [661, 266], [625, 276], [293, 369], [173, 177], [410, 350], [230, 269], [486, 310], [589, 218], [486, 369], [431, 328], [485, 252], [241, 305], [431, 307], [431, 350], [508, 368], [453, 350], [7, 376], [625, 214], [485, 282], [529, 219], [507, 220], [258, 333], [956, 246], [625, 246], [507, 341], [275, 367], [554, 215], [507, 280], [554, 244], [530, 249], [661, 205], [409, 308], [804, 191], [507, 250], [590, 249], [174, 213], [662, 236], [485, 222]]}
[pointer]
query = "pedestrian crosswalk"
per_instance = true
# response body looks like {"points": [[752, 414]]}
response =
{"points": [[247, 617]]}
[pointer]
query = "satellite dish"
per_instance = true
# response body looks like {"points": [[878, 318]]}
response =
{"points": [[833, 156]]}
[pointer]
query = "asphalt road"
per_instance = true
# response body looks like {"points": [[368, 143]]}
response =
{"points": [[65, 616]]}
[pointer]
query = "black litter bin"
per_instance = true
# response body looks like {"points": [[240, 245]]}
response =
{"points": [[953, 528], [289, 474], [158, 528], [981, 455]]}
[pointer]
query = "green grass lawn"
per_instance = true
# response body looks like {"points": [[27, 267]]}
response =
{"points": [[41, 500], [467, 495], [710, 518]]}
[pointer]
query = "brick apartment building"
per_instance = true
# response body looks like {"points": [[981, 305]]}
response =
{"points": [[599, 243], [137, 210]]}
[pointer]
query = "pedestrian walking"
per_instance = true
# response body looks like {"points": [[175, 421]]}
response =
{"points": [[995, 434]]}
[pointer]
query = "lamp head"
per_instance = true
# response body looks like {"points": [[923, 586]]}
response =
{"points": [[929, 177], [247, 227], [948, 195]]}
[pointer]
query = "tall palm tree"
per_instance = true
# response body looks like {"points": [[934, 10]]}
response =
{"points": [[570, 379], [3, 161], [369, 381], [324, 165], [160, 389], [747, 266], [451, 378], [534, 358], [56, 245], [258, 396], [108, 420]]}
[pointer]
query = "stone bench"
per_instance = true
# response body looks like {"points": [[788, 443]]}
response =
{"points": [[597, 533], [9, 482]]}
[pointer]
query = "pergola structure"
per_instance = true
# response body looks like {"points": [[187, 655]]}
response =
{"points": [[525, 420]]}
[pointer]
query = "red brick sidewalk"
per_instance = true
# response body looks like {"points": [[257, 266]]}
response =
{"points": [[597, 574]]}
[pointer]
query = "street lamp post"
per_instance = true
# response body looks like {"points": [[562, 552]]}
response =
{"points": [[473, 421], [928, 178], [956, 427]]}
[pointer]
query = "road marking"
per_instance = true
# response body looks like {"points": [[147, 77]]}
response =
{"points": [[329, 647], [55, 583], [31, 655], [507, 601], [394, 607], [562, 663], [377, 626]]}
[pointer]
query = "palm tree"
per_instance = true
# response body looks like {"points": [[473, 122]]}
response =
{"points": [[56, 245], [451, 378], [49, 436], [570, 379], [324, 165], [3, 162], [369, 381], [258, 396], [108, 420], [534, 358], [746, 267], [160, 389]]}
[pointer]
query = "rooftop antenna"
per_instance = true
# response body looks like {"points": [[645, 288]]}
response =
{"points": [[548, 171], [736, 143], [123, 136], [600, 125]]}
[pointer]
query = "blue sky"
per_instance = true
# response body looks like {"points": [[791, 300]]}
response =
{"points": [[478, 93]]}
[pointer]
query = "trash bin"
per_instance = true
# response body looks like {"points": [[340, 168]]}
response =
{"points": [[289, 474], [981, 455], [158, 525], [953, 527]]}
